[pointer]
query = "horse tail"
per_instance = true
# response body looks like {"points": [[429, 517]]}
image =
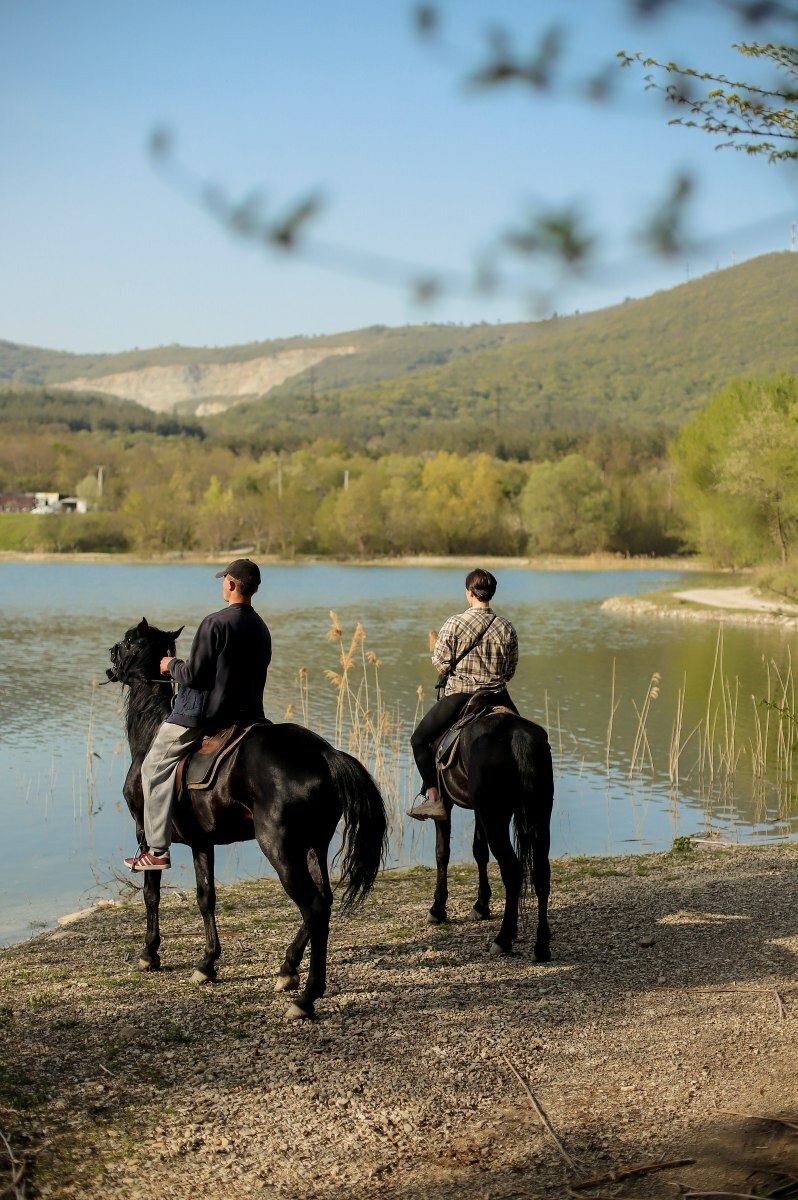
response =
{"points": [[532, 815], [365, 840]]}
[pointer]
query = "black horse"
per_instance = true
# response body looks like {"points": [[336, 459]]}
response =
{"points": [[285, 787], [505, 775]]}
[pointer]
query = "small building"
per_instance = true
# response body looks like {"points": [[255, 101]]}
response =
{"points": [[54, 502], [72, 504], [17, 502], [46, 502]]}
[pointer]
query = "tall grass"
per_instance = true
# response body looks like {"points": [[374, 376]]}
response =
{"points": [[700, 759], [363, 723], [709, 755]]}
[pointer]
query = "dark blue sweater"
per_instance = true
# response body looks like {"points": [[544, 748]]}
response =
{"points": [[229, 658]]}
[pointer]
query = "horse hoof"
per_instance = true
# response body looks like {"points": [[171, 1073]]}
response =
{"points": [[295, 1013], [287, 983], [149, 964], [542, 954], [497, 951], [476, 915], [434, 919], [203, 976]]}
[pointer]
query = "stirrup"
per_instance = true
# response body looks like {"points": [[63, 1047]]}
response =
{"points": [[435, 809]]}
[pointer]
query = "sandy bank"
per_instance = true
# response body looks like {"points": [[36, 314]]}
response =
{"points": [[738, 605]]}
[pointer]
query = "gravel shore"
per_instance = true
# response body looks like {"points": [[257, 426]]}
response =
{"points": [[663, 1030]]}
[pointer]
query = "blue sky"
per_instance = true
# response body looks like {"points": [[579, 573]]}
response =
{"points": [[101, 251]]}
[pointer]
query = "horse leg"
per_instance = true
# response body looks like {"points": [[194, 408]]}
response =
{"points": [[443, 837], [288, 977], [314, 903], [150, 960], [481, 909], [205, 971], [501, 847], [541, 880]]}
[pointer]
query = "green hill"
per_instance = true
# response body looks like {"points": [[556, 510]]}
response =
{"points": [[640, 365], [25, 405], [642, 362]]}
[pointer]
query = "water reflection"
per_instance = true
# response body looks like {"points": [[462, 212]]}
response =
{"points": [[584, 673]]}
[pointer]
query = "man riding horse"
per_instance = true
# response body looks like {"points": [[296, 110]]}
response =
{"points": [[475, 651], [221, 684]]}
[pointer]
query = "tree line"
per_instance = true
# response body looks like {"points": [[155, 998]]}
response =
{"points": [[162, 494], [726, 487]]}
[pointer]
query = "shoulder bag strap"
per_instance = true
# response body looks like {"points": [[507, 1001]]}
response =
{"points": [[441, 684]]}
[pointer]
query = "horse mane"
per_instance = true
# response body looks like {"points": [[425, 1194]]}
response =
{"points": [[145, 712], [147, 701]]}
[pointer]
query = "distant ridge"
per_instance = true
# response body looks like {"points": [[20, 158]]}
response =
{"points": [[644, 362]]}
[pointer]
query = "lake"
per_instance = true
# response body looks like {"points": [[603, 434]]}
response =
{"points": [[637, 763]]}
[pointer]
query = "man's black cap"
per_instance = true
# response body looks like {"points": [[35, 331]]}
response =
{"points": [[243, 570]]}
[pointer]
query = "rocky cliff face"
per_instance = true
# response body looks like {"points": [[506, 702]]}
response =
{"points": [[162, 389]]}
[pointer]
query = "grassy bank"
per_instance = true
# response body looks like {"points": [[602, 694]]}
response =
{"points": [[662, 1031]]}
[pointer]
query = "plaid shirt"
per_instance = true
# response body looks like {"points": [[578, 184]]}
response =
{"points": [[492, 662]]}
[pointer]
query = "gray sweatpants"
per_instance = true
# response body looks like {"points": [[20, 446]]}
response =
{"points": [[158, 780]]}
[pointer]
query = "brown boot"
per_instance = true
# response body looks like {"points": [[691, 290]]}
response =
{"points": [[426, 806]]}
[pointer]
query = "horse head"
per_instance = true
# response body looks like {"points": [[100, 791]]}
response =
{"points": [[138, 655]]}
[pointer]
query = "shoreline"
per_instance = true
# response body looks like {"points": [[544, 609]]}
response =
{"points": [[121, 897], [685, 959], [590, 562]]}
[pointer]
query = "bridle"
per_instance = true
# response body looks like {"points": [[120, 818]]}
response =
{"points": [[118, 670]]}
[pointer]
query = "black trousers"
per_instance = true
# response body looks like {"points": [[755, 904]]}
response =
{"points": [[442, 714]]}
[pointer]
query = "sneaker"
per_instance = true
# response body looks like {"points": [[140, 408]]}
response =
{"points": [[428, 808], [147, 860]]}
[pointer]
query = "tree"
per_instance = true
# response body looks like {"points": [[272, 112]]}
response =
{"points": [[762, 467], [217, 521], [463, 505], [567, 508], [737, 472], [755, 120]]}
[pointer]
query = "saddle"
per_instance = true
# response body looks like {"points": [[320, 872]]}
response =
{"points": [[450, 760], [197, 771]]}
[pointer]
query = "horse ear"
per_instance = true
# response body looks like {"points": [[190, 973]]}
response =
{"points": [[175, 634], [142, 627]]}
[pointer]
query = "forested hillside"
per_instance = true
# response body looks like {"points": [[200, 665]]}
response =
{"points": [[547, 437], [644, 363]]}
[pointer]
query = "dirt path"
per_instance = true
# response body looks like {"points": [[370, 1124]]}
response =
{"points": [[664, 1029]]}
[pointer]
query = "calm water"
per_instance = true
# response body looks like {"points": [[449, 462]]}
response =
{"points": [[63, 755]]}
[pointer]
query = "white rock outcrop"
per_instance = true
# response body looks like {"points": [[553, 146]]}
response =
{"points": [[162, 389]]}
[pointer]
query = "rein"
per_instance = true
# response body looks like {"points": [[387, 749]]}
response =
{"points": [[124, 681]]}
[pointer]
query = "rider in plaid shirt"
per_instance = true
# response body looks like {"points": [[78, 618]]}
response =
{"points": [[488, 667]]}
